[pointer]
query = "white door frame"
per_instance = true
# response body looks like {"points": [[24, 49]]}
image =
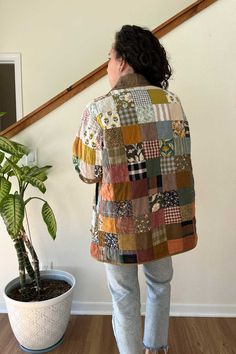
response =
{"points": [[15, 58]]}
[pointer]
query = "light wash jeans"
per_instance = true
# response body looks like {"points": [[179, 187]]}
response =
{"points": [[126, 320]]}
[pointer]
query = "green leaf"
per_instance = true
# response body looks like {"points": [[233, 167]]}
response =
{"points": [[12, 147], [21, 149], [1, 156], [7, 146], [49, 218], [35, 171], [5, 187], [2, 114], [34, 181], [6, 166], [25, 170], [16, 169], [12, 211], [11, 173], [42, 177]]}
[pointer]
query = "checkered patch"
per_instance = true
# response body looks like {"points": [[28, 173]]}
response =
{"points": [[115, 156], [159, 235], [137, 171], [172, 215], [141, 98], [151, 149], [168, 165], [128, 116]]}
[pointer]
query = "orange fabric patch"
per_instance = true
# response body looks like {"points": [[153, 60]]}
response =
{"points": [[117, 191], [131, 134], [75, 146], [94, 251], [108, 224], [183, 244], [184, 179], [161, 250]]}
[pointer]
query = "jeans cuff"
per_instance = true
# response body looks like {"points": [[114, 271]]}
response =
{"points": [[155, 350]]}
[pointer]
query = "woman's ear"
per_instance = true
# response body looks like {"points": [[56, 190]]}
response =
{"points": [[123, 65], [125, 68]]}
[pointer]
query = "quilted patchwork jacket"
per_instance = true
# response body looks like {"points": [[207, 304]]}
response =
{"points": [[134, 143]]}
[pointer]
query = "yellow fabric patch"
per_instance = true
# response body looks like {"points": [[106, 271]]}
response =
{"points": [[131, 134], [157, 96], [85, 153], [127, 242], [75, 146]]}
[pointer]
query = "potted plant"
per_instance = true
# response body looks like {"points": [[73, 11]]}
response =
{"points": [[38, 302]]}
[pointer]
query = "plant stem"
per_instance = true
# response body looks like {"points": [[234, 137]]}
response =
{"points": [[29, 199], [21, 263], [35, 260], [27, 263]]}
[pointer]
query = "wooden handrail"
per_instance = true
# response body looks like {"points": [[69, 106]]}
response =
{"points": [[98, 73]]}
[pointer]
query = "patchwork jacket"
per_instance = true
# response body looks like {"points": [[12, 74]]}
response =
{"points": [[134, 143]]}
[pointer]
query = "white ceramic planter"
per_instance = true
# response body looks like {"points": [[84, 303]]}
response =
{"points": [[40, 326]]}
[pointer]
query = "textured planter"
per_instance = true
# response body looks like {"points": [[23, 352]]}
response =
{"points": [[40, 326]]}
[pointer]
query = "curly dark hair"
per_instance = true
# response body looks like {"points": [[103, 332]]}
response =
{"points": [[144, 53]]}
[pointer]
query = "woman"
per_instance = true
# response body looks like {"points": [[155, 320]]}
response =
{"points": [[134, 143]]}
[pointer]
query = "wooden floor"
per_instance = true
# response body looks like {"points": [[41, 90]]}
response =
{"points": [[93, 335]]}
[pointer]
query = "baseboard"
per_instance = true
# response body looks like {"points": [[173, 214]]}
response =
{"points": [[176, 310]]}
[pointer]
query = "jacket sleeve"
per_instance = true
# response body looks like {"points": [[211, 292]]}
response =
{"points": [[87, 147]]}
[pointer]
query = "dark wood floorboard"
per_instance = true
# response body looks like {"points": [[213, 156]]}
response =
{"points": [[93, 335]]}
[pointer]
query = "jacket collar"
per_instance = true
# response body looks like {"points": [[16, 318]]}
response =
{"points": [[130, 80]]}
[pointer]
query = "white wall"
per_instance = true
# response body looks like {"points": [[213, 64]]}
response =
{"points": [[203, 56], [61, 41]]}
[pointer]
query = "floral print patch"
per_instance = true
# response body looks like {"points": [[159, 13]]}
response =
{"points": [[123, 100], [108, 120], [145, 114], [178, 128], [111, 240], [134, 152], [142, 223], [155, 202], [166, 147]]}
